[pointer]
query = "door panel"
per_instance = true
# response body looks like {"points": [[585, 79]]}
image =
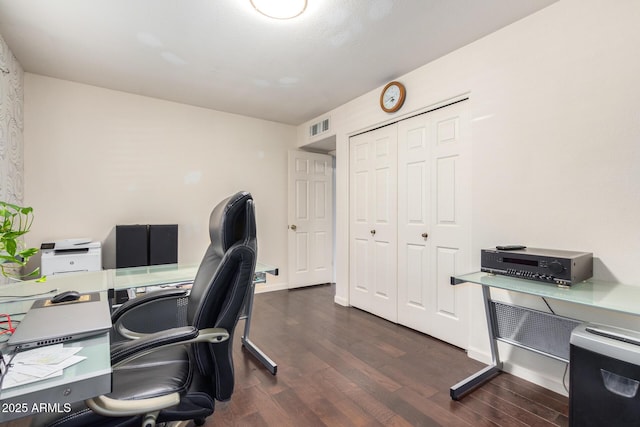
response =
{"points": [[360, 267], [416, 261], [446, 267], [373, 213], [414, 200], [446, 190], [310, 219], [434, 222]]}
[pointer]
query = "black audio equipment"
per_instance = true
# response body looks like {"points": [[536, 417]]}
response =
{"points": [[142, 245], [132, 246], [163, 244], [544, 265]]}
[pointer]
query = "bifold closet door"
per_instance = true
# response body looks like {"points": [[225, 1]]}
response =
{"points": [[434, 214], [373, 224]]}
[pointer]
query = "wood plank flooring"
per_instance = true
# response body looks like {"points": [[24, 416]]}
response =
{"points": [[340, 366]]}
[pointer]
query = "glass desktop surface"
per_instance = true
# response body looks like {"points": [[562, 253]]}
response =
{"points": [[119, 278], [593, 293], [153, 275], [166, 274], [83, 282]]}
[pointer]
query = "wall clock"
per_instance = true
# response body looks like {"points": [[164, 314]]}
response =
{"points": [[392, 97]]}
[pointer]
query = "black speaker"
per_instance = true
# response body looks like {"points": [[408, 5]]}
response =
{"points": [[132, 246], [163, 244]]}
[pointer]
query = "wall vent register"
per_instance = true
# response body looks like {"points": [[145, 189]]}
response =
{"points": [[319, 127]]}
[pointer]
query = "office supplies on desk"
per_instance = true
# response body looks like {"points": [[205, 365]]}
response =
{"points": [[39, 364], [9, 328], [66, 296], [46, 324]]}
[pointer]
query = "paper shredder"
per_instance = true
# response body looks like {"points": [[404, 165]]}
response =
{"points": [[605, 375]]}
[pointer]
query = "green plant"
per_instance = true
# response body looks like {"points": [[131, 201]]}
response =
{"points": [[15, 222]]}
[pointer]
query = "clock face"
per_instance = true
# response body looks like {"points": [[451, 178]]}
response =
{"points": [[392, 97]]}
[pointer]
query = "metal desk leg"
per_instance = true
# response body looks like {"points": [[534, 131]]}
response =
{"points": [[246, 342], [476, 380]]}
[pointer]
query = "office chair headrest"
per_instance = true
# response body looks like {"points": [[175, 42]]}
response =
{"points": [[227, 223]]}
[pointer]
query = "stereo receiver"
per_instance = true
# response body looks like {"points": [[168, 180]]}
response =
{"points": [[544, 265]]}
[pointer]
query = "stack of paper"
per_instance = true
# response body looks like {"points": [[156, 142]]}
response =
{"points": [[39, 364]]}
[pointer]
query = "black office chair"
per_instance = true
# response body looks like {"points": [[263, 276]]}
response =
{"points": [[178, 373]]}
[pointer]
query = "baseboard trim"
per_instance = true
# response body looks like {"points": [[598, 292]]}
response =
{"points": [[263, 287], [479, 355], [341, 301], [536, 377], [550, 382]]}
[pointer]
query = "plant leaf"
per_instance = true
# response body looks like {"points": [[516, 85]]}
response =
{"points": [[10, 246], [28, 253]]}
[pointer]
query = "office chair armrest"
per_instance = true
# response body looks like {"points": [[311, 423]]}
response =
{"points": [[129, 350], [122, 351], [146, 299], [108, 407]]}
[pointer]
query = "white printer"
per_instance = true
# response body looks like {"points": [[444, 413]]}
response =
{"points": [[70, 256]]}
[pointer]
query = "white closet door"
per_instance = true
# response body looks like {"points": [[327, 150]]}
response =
{"points": [[434, 206], [373, 219]]}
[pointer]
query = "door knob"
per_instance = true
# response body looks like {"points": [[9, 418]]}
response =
{"points": [[293, 227], [424, 236], [373, 232]]}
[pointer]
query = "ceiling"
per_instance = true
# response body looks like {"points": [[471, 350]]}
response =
{"points": [[223, 55]]}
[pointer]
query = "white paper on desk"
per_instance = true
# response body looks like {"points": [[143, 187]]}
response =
{"points": [[43, 371], [49, 355], [34, 365], [33, 353], [14, 379]]}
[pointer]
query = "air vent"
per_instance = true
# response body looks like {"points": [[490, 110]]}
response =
{"points": [[320, 127]]}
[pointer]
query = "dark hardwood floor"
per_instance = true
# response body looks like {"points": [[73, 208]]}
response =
{"points": [[340, 366]]}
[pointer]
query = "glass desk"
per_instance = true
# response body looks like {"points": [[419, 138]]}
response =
{"points": [[135, 278], [592, 293], [112, 279], [86, 379]]}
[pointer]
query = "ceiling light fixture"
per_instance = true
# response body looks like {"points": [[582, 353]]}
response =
{"points": [[280, 9]]}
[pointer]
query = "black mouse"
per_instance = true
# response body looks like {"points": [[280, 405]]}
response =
{"points": [[65, 297]]}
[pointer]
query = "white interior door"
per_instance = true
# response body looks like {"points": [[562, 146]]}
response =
{"points": [[434, 205], [373, 212], [310, 219]]}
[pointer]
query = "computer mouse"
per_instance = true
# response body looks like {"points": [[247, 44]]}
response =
{"points": [[65, 297]]}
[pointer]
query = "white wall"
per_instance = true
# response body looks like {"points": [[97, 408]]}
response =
{"points": [[95, 158], [555, 107]]}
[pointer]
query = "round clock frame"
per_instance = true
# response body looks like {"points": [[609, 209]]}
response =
{"points": [[392, 97]]}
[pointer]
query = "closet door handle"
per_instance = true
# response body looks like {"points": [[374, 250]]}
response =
{"points": [[373, 232], [293, 227], [425, 236]]}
